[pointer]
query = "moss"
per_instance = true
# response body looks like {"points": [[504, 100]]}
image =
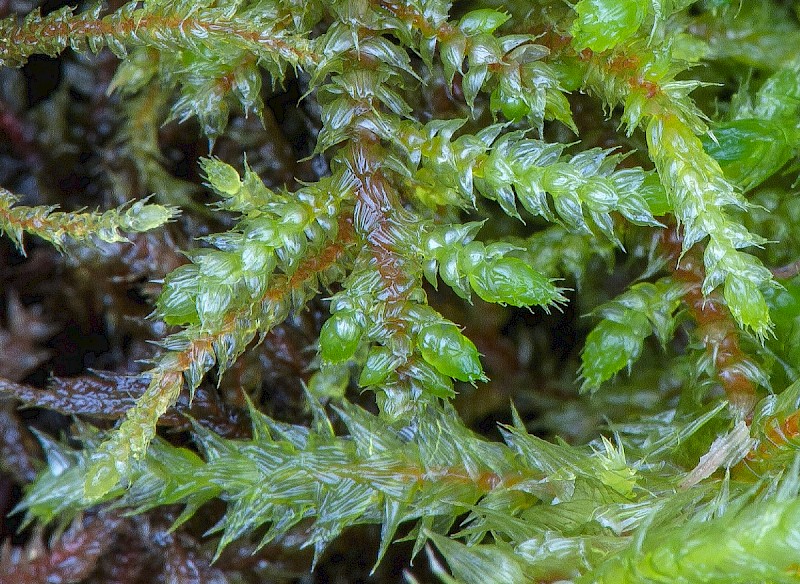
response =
{"points": [[335, 239]]}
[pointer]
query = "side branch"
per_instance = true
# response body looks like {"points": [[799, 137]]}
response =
{"points": [[52, 34], [57, 226], [197, 355]]}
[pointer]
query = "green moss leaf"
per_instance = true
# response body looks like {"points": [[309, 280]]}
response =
{"points": [[603, 24], [509, 280], [484, 20], [450, 352], [340, 337], [750, 151]]}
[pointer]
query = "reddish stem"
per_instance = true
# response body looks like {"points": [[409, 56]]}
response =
{"points": [[377, 217], [28, 37], [716, 328], [19, 134], [777, 434], [786, 272]]}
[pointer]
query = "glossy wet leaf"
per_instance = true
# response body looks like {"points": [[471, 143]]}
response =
{"points": [[511, 281], [450, 352], [339, 337], [602, 24]]}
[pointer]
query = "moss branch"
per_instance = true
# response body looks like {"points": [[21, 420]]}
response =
{"points": [[52, 34], [198, 355], [57, 226]]}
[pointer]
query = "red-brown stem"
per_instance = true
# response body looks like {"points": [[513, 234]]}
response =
{"points": [[281, 289], [786, 272], [626, 67], [37, 221], [19, 134], [484, 481], [375, 218], [716, 328], [32, 35], [778, 432], [328, 256]]}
